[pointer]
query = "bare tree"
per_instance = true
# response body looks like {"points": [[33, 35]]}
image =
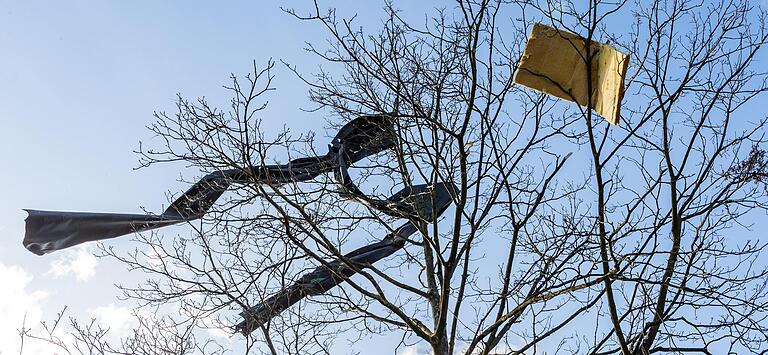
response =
{"points": [[565, 235]]}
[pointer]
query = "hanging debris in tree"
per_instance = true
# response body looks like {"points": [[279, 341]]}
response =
{"points": [[554, 62], [49, 231]]}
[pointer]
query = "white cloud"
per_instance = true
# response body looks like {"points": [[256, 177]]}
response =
{"points": [[420, 349], [120, 320], [155, 260], [20, 307], [411, 350], [79, 261], [499, 349], [215, 328]]}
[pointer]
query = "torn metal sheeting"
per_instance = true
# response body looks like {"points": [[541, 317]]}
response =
{"points": [[554, 63]]}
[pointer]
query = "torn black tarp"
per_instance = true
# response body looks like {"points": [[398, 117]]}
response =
{"points": [[432, 202], [48, 231]]}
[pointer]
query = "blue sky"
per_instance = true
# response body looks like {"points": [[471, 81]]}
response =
{"points": [[79, 81]]}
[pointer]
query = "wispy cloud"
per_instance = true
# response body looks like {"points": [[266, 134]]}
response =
{"points": [[79, 262], [215, 328], [412, 350], [19, 307], [120, 320]]}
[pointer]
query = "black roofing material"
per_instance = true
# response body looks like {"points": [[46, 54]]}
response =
{"points": [[48, 231], [327, 276]]}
